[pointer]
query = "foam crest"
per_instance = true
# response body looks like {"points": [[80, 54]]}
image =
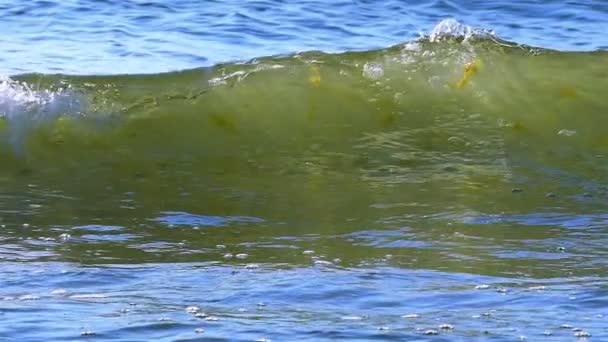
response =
{"points": [[451, 28], [18, 99], [23, 107]]}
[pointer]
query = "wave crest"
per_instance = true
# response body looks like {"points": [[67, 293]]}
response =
{"points": [[22, 107], [452, 29]]}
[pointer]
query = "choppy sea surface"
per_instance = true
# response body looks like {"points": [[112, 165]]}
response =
{"points": [[272, 170]]}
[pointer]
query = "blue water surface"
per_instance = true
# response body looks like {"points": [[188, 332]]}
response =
{"points": [[150, 36]]}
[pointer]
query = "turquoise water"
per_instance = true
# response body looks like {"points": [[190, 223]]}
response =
{"points": [[271, 171]]}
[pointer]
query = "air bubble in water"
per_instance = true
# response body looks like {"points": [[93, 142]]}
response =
{"points": [[373, 71]]}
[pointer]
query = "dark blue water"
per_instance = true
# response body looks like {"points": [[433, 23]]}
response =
{"points": [[102, 37]]}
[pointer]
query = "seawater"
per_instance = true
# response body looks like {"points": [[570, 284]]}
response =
{"points": [[89, 37], [343, 171]]}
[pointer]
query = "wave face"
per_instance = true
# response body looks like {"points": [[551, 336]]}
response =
{"points": [[458, 99]]}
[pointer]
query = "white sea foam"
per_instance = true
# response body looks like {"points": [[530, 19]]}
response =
{"points": [[451, 28], [19, 98], [23, 106]]}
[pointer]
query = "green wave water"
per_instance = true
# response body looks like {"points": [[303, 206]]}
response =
{"points": [[436, 102]]}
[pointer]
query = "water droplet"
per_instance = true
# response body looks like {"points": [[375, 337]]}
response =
{"points": [[65, 236]]}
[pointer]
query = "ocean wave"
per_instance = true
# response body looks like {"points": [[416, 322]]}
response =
{"points": [[49, 96], [454, 92]]}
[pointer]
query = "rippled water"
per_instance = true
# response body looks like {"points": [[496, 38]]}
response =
{"points": [[136, 36], [449, 185]]}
